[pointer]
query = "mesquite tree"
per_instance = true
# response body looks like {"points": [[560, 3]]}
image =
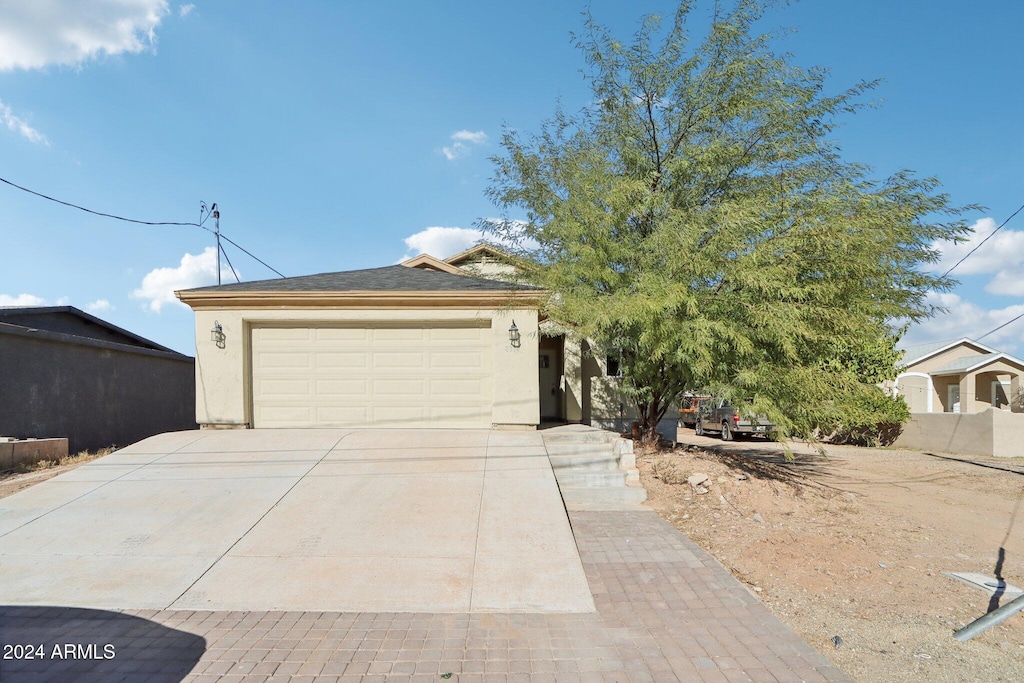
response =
{"points": [[698, 217]]}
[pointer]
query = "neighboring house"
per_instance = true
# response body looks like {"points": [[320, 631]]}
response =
{"points": [[962, 376], [65, 373], [396, 346]]}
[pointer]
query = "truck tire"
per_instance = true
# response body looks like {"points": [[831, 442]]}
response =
{"points": [[727, 434]]}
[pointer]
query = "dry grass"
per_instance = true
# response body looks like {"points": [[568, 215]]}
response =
{"points": [[79, 458]]}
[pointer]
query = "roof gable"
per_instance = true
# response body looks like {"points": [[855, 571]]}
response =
{"points": [[972, 363], [428, 262], [479, 251], [913, 355]]}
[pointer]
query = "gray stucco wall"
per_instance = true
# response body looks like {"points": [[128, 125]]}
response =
{"points": [[95, 393]]}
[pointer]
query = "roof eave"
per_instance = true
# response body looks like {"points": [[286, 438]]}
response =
{"points": [[389, 299], [947, 347]]}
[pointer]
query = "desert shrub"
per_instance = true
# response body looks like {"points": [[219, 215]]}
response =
{"points": [[668, 469], [871, 418]]}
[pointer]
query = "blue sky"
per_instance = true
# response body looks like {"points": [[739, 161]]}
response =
{"points": [[336, 136]]}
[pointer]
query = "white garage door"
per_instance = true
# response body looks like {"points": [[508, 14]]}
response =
{"points": [[418, 375]]}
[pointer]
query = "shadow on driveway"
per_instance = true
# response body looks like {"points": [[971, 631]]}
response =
{"points": [[70, 644]]}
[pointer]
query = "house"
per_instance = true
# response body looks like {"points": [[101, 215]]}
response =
{"points": [[962, 376], [964, 397], [65, 373], [398, 346]]}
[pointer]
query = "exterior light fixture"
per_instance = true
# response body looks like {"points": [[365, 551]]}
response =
{"points": [[217, 335], [514, 337]]}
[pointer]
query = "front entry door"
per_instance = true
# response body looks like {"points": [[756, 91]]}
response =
{"points": [[549, 380]]}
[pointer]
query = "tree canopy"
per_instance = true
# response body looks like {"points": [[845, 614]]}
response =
{"points": [[699, 216]]}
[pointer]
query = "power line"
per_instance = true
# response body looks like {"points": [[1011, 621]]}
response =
{"points": [[132, 220], [1013, 320], [228, 239], [100, 213], [983, 242]]}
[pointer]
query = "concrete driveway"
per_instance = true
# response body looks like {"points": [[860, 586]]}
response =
{"points": [[323, 520]]}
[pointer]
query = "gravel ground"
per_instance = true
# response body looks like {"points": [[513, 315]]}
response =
{"points": [[854, 547]]}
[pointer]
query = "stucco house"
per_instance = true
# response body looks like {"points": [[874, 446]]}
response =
{"points": [[396, 346], [454, 342], [961, 376], [68, 374]]}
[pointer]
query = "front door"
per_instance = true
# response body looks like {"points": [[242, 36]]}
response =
{"points": [[953, 402], [550, 374]]}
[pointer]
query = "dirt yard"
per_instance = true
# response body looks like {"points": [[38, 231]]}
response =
{"points": [[856, 545], [12, 481]]}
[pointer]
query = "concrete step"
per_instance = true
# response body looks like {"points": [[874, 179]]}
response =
{"points": [[610, 498], [578, 448], [590, 436], [592, 478], [584, 463]]}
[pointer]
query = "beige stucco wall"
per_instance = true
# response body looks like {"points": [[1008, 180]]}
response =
{"points": [[990, 433], [491, 269], [222, 375]]}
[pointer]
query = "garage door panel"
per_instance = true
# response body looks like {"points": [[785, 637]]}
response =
{"points": [[456, 359], [341, 415], [286, 387], [356, 334], [400, 359], [284, 359], [352, 359], [399, 334], [389, 375], [342, 387], [286, 334]]}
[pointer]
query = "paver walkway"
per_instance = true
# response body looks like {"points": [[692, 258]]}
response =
{"points": [[666, 611]]}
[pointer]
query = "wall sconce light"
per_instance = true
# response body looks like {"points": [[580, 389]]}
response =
{"points": [[513, 336], [217, 335]]}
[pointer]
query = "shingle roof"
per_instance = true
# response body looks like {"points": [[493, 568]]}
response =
{"points": [[968, 362], [389, 278]]}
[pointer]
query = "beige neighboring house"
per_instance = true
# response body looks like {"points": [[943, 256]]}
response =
{"points": [[964, 398], [577, 382], [962, 376], [383, 347]]}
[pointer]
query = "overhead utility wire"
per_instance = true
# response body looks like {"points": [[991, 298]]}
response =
{"points": [[99, 213], [233, 271], [132, 220], [1012, 320], [983, 241], [228, 239]]}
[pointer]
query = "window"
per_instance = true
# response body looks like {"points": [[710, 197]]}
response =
{"points": [[613, 365]]}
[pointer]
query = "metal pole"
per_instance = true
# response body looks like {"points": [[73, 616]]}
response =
{"points": [[216, 227], [989, 620]]}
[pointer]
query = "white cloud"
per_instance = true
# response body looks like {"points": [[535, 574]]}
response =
{"points": [[195, 270], [21, 300], [475, 137], [462, 141], [63, 301], [37, 34], [1001, 257], [966, 319], [185, 10], [442, 242], [99, 306], [19, 125]]}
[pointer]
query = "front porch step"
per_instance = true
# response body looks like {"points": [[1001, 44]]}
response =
{"points": [[584, 463], [592, 478], [566, 448], [603, 498], [590, 435]]}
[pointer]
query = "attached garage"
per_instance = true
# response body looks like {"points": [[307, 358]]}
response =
{"points": [[403, 375], [394, 347]]}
